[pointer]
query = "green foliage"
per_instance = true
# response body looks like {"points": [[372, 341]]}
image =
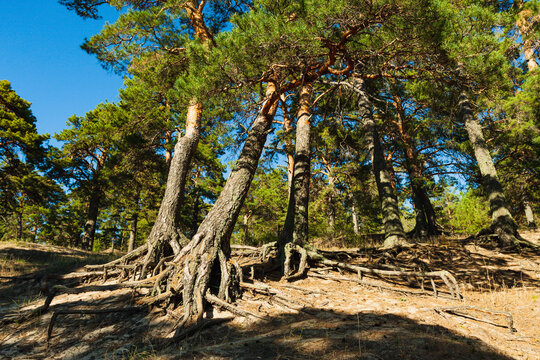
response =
{"points": [[467, 212], [423, 53], [25, 193], [265, 209]]}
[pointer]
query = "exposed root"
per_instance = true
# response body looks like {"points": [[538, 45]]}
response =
{"points": [[202, 275], [234, 309], [267, 249], [504, 234], [124, 259], [314, 257], [449, 280], [290, 248]]}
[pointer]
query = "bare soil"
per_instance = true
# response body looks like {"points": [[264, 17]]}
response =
{"points": [[321, 318]]}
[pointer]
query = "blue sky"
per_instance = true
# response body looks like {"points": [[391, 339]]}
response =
{"points": [[40, 55]]}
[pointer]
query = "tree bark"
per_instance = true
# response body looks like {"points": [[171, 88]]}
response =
{"points": [[134, 222], [426, 219], [393, 228], [245, 225], [165, 229], [525, 29], [19, 232], [289, 150], [296, 223], [331, 202], [168, 151], [525, 22], [91, 219], [195, 216], [529, 215], [133, 231], [207, 253], [354, 209], [502, 222]]}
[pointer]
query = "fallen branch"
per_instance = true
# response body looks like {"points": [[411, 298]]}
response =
{"points": [[455, 310]]}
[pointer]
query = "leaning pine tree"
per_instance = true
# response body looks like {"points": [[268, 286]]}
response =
{"points": [[502, 223], [295, 231], [273, 46]]}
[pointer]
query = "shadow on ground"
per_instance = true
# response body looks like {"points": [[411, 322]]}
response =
{"points": [[27, 266], [321, 334]]}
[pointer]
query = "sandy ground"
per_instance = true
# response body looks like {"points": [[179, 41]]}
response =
{"points": [[321, 318]]}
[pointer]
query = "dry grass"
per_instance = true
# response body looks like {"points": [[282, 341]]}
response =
{"points": [[341, 320], [21, 258]]}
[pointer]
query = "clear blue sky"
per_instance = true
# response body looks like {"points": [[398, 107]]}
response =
{"points": [[40, 55]]}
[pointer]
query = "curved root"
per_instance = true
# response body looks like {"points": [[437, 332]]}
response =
{"points": [[302, 265]]}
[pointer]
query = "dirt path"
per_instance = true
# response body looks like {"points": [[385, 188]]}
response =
{"points": [[323, 319]]}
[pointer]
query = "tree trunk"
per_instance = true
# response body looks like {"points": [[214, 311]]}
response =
{"points": [[91, 219], [433, 225], [195, 216], [289, 150], [114, 236], [426, 219], [525, 28], [133, 231], [206, 266], [525, 22], [296, 223], [19, 232], [356, 223], [168, 151], [502, 222], [245, 226], [168, 138], [331, 205], [34, 233], [529, 215], [393, 229], [165, 229], [421, 226], [134, 222], [389, 161]]}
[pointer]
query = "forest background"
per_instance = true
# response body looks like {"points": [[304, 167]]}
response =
{"points": [[100, 181]]}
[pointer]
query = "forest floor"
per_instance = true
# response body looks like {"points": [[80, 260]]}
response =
{"points": [[319, 318]]}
